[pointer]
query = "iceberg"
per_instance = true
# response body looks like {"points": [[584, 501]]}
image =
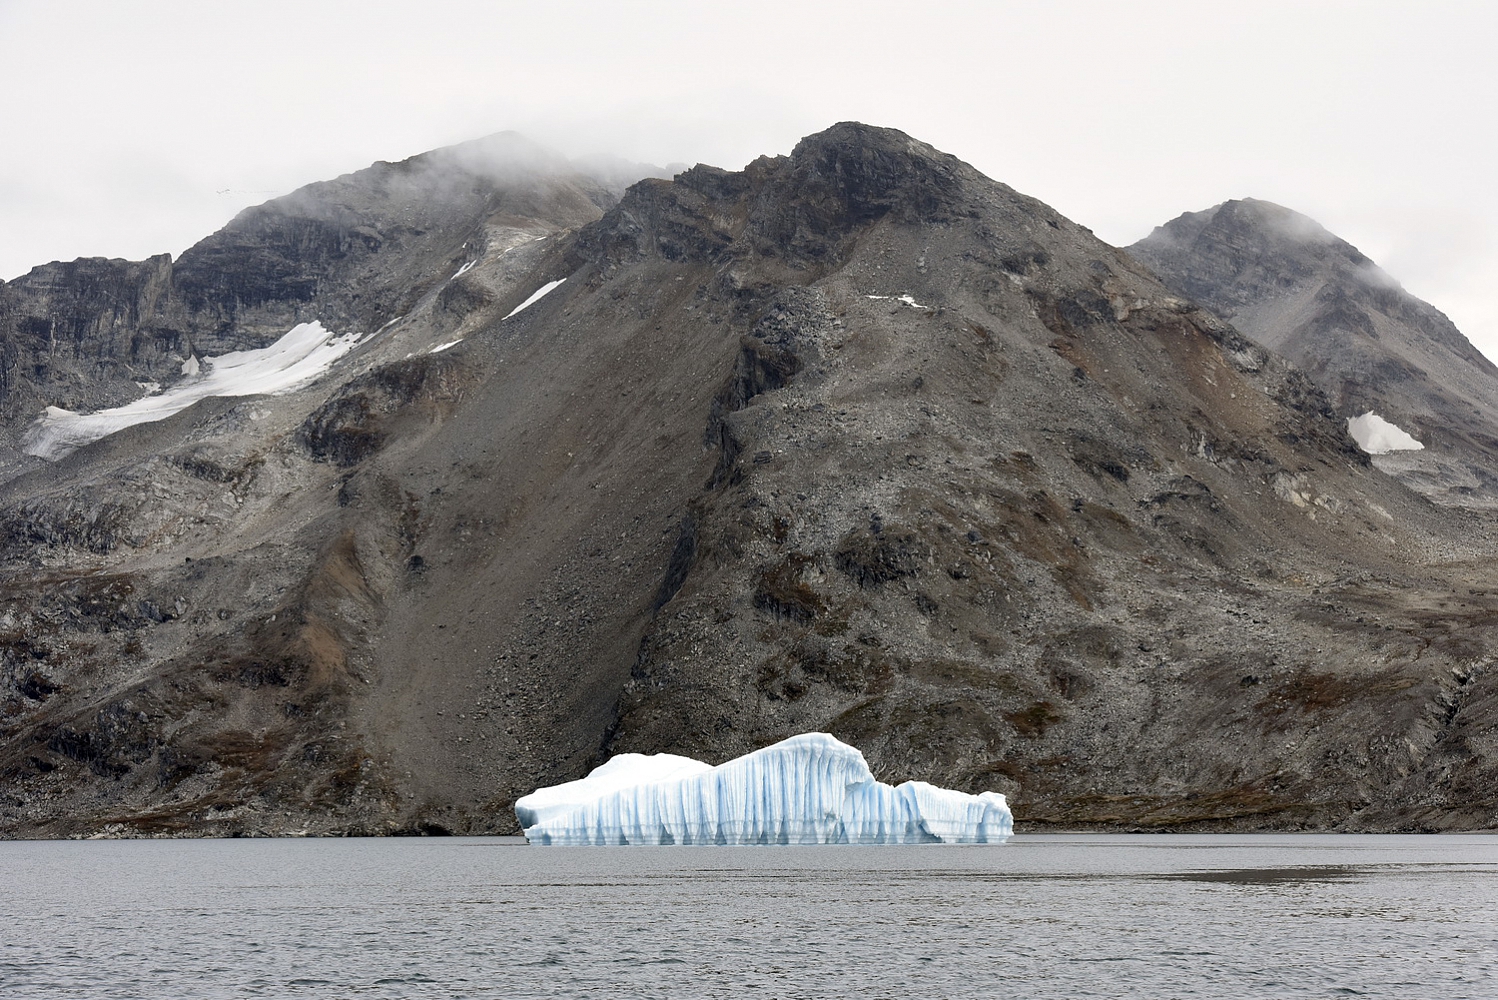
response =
{"points": [[809, 789]]}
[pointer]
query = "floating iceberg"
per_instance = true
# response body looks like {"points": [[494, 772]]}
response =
{"points": [[809, 789]]}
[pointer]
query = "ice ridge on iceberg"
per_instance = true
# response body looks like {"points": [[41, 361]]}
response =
{"points": [[809, 789]]}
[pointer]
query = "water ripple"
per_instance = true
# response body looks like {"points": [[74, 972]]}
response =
{"points": [[1041, 917]]}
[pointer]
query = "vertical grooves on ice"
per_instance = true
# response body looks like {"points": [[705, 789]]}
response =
{"points": [[809, 789]]}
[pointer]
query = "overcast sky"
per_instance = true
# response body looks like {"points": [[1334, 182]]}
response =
{"points": [[133, 127]]}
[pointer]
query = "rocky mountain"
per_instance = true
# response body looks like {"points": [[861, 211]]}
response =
{"points": [[355, 252], [1286, 282], [854, 439]]}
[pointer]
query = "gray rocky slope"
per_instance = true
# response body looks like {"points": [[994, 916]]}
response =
{"points": [[854, 439], [1286, 282], [355, 253]]}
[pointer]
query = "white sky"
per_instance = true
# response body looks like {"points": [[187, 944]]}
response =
{"points": [[132, 127]]}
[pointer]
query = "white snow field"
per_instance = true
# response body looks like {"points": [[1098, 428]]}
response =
{"points": [[1377, 436], [906, 299], [304, 353], [809, 789], [536, 296]]}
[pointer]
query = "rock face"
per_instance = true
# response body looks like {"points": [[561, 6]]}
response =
{"points": [[355, 252], [854, 440], [1286, 282]]}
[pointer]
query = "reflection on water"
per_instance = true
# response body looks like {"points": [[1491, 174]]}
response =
{"points": [[1043, 916], [1275, 876]]}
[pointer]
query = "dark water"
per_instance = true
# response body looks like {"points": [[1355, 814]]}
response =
{"points": [[1042, 916]]}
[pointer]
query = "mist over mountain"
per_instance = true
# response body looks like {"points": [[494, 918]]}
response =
{"points": [[1289, 284], [354, 253], [854, 440]]}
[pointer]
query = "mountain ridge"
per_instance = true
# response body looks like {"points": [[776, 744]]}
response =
{"points": [[358, 250], [1288, 283], [853, 440]]}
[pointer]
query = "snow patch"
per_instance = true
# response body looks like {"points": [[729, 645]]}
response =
{"points": [[523, 243], [304, 353], [1377, 436], [465, 269], [809, 789], [442, 347], [535, 297], [905, 299]]}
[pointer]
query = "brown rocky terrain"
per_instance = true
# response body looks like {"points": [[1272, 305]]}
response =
{"points": [[854, 440]]}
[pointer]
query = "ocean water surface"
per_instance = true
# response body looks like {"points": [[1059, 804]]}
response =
{"points": [[1069, 916]]}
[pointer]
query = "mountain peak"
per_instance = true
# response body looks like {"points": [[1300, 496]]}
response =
{"points": [[871, 168], [1241, 250], [854, 440], [801, 206], [851, 134], [1272, 219], [501, 152], [1287, 282], [1250, 222]]}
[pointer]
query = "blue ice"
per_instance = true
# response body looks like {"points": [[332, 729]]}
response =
{"points": [[809, 789]]}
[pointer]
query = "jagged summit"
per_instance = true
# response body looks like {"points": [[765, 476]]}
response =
{"points": [[1286, 281], [1263, 219], [808, 207], [869, 164]]}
